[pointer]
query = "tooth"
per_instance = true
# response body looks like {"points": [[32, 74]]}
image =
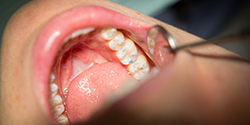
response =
{"points": [[139, 68], [55, 100], [82, 31], [58, 110], [153, 32], [108, 33], [151, 44], [117, 42], [53, 90], [62, 119], [52, 77], [139, 75], [130, 58], [138, 65], [126, 49], [79, 32]]}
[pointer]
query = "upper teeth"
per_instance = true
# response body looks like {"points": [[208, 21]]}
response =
{"points": [[108, 33], [139, 68], [151, 44], [77, 33], [117, 42], [130, 57], [126, 52]]}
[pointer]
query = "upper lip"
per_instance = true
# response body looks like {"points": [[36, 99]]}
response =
{"points": [[52, 34]]}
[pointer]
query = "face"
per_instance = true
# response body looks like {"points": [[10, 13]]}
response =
{"points": [[52, 73]]}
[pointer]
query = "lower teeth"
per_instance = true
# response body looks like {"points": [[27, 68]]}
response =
{"points": [[56, 104]]}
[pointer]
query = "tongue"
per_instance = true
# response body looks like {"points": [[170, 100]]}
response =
{"points": [[88, 90]]}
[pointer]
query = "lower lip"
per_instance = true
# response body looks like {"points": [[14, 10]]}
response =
{"points": [[52, 34]]}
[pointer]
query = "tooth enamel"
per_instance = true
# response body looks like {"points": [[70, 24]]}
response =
{"points": [[55, 100], [138, 65], [52, 77], [108, 33], [53, 90], [82, 31], [62, 119], [151, 44], [126, 49], [153, 32], [139, 68], [79, 32], [130, 58], [117, 42], [139, 75], [58, 110]]}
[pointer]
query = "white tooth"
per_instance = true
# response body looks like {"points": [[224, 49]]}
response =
{"points": [[62, 119], [117, 43], [53, 89], [151, 44], [139, 68], [126, 49], [58, 110], [140, 74], [108, 33], [138, 65], [87, 30], [55, 100], [130, 58], [66, 39], [52, 77], [79, 32], [153, 71]]}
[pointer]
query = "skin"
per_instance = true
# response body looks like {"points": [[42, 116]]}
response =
{"points": [[203, 85]]}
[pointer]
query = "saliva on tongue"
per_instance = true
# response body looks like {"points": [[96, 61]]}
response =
{"points": [[87, 91]]}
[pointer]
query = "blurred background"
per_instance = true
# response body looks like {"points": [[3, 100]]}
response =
{"points": [[204, 18]]}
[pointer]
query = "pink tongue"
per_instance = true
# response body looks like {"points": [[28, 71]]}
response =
{"points": [[88, 90]]}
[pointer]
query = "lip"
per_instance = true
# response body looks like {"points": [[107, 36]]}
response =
{"points": [[53, 33]]}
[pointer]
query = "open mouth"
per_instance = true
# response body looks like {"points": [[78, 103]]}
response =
{"points": [[86, 54]]}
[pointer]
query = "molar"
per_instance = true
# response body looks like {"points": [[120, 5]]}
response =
{"points": [[130, 58], [108, 33], [62, 120], [58, 110], [53, 90], [55, 100], [126, 49], [139, 68], [117, 42], [151, 45]]}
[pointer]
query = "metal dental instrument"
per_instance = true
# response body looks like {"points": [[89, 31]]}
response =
{"points": [[173, 46]]}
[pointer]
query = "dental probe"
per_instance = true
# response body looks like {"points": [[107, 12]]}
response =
{"points": [[235, 37]]}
